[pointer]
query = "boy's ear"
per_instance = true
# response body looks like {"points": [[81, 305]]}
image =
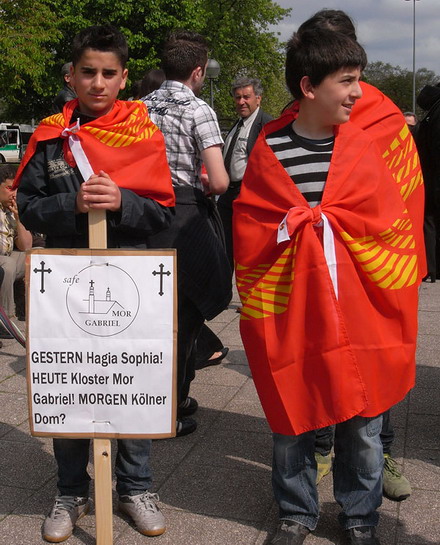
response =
{"points": [[306, 87], [124, 79]]}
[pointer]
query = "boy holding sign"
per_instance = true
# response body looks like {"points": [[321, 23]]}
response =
{"points": [[116, 141]]}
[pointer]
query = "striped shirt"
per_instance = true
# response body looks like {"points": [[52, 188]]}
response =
{"points": [[306, 161]]}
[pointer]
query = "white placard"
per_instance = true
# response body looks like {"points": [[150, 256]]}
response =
{"points": [[101, 343]]}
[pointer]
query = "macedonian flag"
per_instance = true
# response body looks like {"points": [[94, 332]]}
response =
{"points": [[329, 293], [124, 143]]}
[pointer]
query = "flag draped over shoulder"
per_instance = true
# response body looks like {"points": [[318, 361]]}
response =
{"points": [[382, 120], [377, 115], [124, 143], [326, 340]]}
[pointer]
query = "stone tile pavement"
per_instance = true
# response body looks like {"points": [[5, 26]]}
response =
{"points": [[215, 485]]}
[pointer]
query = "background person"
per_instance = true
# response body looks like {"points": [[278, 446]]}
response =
{"points": [[14, 240], [428, 145], [247, 94], [67, 92], [192, 138]]}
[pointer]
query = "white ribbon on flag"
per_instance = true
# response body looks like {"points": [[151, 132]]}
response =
{"points": [[77, 151], [328, 244]]}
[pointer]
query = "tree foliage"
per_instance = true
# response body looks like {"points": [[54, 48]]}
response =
{"points": [[28, 29], [37, 34], [397, 82]]}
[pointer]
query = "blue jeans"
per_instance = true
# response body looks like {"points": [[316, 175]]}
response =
{"points": [[324, 436], [132, 468], [357, 474]]}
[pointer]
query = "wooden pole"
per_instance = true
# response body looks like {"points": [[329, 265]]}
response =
{"points": [[102, 447]]}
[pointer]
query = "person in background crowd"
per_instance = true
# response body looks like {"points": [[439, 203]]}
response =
{"points": [[14, 240], [247, 94], [411, 121], [192, 137], [67, 92], [428, 144]]}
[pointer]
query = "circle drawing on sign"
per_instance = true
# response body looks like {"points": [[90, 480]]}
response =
{"points": [[103, 300]]}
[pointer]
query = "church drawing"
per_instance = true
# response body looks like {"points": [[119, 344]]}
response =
{"points": [[100, 306]]}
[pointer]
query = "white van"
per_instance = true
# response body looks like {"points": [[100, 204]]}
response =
{"points": [[13, 141]]}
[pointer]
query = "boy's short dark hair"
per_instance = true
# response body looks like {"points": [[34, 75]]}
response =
{"points": [[101, 38], [330, 19], [7, 172], [183, 52], [319, 53]]}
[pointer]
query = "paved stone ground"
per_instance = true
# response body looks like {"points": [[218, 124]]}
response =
{"points": [[215, 484]]}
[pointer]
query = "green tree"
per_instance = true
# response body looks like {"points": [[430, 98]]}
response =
{"points": [[28, 28], [243, 45], [397, 82], [237, 31]]}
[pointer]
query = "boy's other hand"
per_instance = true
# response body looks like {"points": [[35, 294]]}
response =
{"points": [[98, 192]]}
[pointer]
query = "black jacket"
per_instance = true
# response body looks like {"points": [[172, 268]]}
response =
{"points": [[46, 200], [427, 139], [204, 274], [261, 119], [65, 95]]}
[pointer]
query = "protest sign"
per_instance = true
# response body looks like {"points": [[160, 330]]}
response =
{"points": [[101, 343]]}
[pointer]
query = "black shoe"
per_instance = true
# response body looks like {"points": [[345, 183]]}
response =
{"points": [[187, 407], [290, 532], [213, 361], [185, 426], [363, 535], [429, 278]]}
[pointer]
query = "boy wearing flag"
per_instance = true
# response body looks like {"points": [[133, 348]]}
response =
{"points": [[327, 270], [99, 153]]}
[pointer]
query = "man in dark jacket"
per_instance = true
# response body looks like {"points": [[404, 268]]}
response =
{"points": [[427, 138], [247, 94], [67, 92]]}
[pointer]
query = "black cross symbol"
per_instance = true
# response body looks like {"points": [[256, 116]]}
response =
{"points": [[42, 271], [162, 274]]}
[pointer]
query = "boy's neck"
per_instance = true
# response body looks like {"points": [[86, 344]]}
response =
{"points": [[310, 126]]}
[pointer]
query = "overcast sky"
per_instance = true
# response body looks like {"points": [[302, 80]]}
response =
{"points": [[384, 28]]}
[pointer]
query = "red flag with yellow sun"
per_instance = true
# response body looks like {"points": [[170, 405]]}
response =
{"points": [[124, 143], [329, 318]]}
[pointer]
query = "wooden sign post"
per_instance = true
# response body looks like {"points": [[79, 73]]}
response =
{"points": [[102, 447]]}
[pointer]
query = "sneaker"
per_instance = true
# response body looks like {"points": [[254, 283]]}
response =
{"points": [[363, 535], [323, 465], [290, 532], [187, 407], [185, 426], [395, 486], [144, 512], [60, 522]]}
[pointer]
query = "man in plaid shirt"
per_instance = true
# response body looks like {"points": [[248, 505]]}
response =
{"points": [[192, 137]]}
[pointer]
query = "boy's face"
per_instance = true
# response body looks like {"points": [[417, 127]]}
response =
{"points": [[336, 95], [7, 195], [97, 79]]}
